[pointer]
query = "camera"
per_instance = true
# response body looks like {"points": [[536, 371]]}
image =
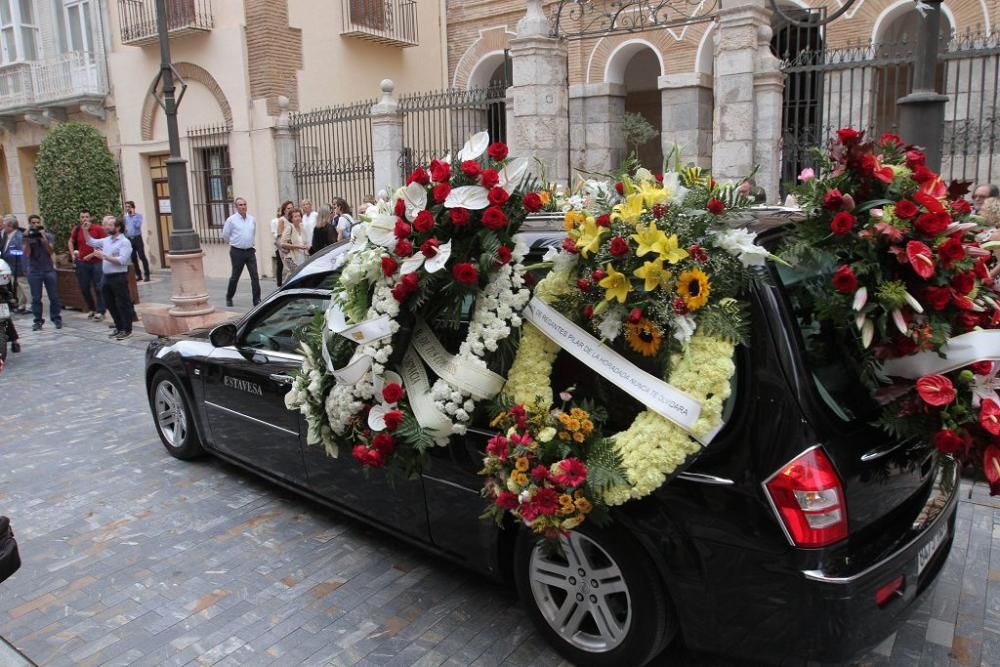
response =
{"points": [[34, 233]]}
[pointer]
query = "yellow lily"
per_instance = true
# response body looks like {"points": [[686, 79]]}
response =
{"points": [[616, 285], [654, 275], [653, 194], [670, 252], [650, 239], [630, 210], [590, 236]]}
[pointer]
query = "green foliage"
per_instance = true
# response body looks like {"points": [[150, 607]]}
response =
{"points": [[76, 171], [637, 130], [604, 466]]}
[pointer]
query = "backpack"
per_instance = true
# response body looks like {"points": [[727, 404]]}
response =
{"points": [[349, 224]]}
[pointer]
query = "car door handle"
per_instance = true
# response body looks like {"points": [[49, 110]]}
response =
{"points": [[281, 378]]}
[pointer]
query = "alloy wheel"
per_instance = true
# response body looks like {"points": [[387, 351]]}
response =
{"points": [[170, 415], [581, 593]]}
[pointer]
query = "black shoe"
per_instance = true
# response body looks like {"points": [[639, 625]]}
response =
{"points": [[114, 334], [59, 324], [229, 303], [123, 335], [15, 347], [37, 326]]}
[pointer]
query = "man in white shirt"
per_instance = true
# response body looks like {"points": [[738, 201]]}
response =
{"points": [[309, 217], [240, 233]]}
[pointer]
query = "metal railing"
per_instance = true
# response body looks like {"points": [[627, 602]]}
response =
{"points": [[392, 22], [211, 179], [137, 19], [16, 89], [66, 78]]}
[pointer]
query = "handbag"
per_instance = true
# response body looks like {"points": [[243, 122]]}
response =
{"points": [[10, 559]]}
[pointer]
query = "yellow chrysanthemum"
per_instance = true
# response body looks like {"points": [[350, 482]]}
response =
{"points": [[693, 286], [653, 274], [583, 505], [521, 463], [616, 285], [644, 337], [590, 236]]}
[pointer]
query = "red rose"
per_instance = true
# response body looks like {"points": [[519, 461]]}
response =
{"points": [[569, 245], [498, 196], [964, 282], [961, 207], [922, 174], [716, 207], [393, 420], [406, 286], [620, 188], [920, 258], [635, 315], [429, 248], [937, 297], [459, 216], [383, 444], [360, 454], [471, 168], [951, 251], [842, 223], [392, 392], [465, 273], [489, 178], [619, 246], [424, 222], [981, 367], [441, 192], [915, 158], [402, 229], [905, 209], [932, 224], [493, 218], [588, 311], [404, 248], [891, 140], [833, 200], [440, 171], [968, 320], [532, 202], [419, 176], [506, 500], [989, 416], [584, 285], [844, 280], [603, 220], [947, 441], [389, 266], [597, 275], [936, 390], [400, 210], [503, 255], [497, 150], [848, 135]]}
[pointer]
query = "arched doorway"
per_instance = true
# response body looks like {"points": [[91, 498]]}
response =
{"points": [[637, 66], [492, 74]]}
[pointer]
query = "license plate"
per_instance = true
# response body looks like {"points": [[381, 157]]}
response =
{"points": [[928, 550]]}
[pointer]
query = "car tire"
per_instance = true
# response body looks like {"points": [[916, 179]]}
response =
{"points": [[627, 622], [173, 418]]}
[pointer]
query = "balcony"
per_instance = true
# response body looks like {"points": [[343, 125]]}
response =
{"points": [[390, 22], [137, 19], [75, 78]]}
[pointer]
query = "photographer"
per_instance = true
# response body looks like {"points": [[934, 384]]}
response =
{"points": [[38, 247]]}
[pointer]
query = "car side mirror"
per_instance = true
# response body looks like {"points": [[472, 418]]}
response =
{"points": [[223, 335]]}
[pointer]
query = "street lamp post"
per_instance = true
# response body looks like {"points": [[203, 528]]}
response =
{"points": [[921, 113]]}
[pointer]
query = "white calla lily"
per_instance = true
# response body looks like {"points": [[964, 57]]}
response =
{"points": [[471, 197], [438, 261], [381, 230], [411, 263], [415, 196], [512, 174], [899, 321], [474, 147], [914, 304]]}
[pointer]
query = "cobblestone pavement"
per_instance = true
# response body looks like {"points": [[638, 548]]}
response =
{"points": [[132, 557]]}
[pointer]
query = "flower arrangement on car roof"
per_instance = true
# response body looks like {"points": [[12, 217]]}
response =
{"points": [[910, 286]]}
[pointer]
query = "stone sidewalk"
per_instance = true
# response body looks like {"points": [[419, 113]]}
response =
{"points": [[133, 557]]}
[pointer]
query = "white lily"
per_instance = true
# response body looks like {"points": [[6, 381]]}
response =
{"points": [[415, 196], [985, 387], [561, 261], [899, 321], [432, 265], [860, 298], [643, 174], [471, 197], [512, 174], [672, 183], [474, 147], [684, 327], [914, 304], [867, 334]]}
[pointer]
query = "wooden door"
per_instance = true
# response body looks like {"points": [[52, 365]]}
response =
{"points": [[161, 205]]}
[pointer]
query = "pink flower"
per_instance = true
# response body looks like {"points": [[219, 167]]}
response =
{"points": [[807, 174]]}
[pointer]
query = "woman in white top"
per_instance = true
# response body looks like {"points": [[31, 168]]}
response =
{"points": [[277, 227], [342, 214], [292, 244]]}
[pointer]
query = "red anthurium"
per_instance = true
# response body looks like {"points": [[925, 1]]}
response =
{"points": [[989, 416], [921, 258], [936, 390], [947, 441], [991, 467]]}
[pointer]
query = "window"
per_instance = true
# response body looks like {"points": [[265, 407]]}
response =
{"points": [[369, 13], [18, 31], [80, 34], [218, 184], [280, 328], [211, 180]]}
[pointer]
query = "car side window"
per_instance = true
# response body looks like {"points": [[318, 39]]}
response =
{"points": [[279, 328]]}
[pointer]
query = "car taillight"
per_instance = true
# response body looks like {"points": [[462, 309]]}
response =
{"points": [[809, 500]]}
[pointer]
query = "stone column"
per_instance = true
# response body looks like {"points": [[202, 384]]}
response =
{"points": [[596, 113], [687, 116], [284, 152], [769, 89], [539, 124], [387, 139]]}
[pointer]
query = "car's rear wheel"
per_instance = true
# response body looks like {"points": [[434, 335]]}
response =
{"points": [[174, 421], [598, 599]]}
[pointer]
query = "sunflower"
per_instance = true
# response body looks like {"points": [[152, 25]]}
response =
{"points": [[694, 288], [644, 337]]}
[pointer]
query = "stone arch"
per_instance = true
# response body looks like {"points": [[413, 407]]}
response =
{"points": [[482, 72], [899, 9], [704, 60], [622, 55], [610, 50], [189, 72], [490, 42]]}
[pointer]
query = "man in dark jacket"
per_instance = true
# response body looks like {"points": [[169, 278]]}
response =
{"points": [[12, 252]]}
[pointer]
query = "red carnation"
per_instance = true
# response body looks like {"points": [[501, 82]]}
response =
{"points": [[506, 500], [915, 158], [635, 316], [905, 209], [697, 253], [603, 220], [989, 416], [936, 390], [833, 200], [503, 255], [932, 224], [680, 308], [424, 222], [498, 196], [619, 246], [471, 168], [459, 216], [497, 150], [844, 280], [406, 286], [384, 444], [404, 248], [584, 285], [419, 176], [963, 283], [389, 266], [659, 210], [441, 192], [891, 140], [465, 273], [489, 178], [393, 420], [848, 135], [400, 210], [620, 188], [392, 392], [402, 229], [938, 297], [597, 275], [493, 218], [716, 207], [951, 251], [947, 441], [572, 472], [440, 171], [842, 223], [532, 202], [920, 258], [429, 248], [961, 207]]}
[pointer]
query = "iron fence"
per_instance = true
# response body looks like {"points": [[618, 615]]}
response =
{"points": [[438, 123], [971, 65], [333, 153], [211, 179]]}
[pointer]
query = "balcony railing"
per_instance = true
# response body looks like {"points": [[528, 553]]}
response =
{"points": [[137, 19], [392, 22], [70, 78]]}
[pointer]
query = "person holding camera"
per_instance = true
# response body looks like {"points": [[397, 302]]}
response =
{"points": [[39, 247], [115, 251], [88, 267], [12, 252]]}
